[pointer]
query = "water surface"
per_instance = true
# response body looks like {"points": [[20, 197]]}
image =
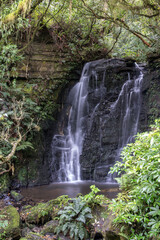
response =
{"points": [[54, 190]]}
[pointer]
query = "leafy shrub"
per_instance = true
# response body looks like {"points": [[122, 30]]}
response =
{"points": [[73, 219], [139, 204], [92, 199]]}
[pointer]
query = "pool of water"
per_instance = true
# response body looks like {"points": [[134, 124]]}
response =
{"points": [[54, 190]]}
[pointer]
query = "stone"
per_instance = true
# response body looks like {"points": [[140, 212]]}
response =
{"points": [[40, 213], [25, 231], [49, 227], [34, 236], [109, 235], [12, 228], [16, 196]]}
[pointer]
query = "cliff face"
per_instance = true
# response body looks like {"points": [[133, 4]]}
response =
{"points": [[104, 136], [105, 126], [43, 62], [45, 68]]}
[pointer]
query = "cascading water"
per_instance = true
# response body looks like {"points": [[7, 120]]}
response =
{"points": [[70, 145], [84, 134], [130, 101]]}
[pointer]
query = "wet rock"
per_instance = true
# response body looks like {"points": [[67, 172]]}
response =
{"points": [[104, 136]]}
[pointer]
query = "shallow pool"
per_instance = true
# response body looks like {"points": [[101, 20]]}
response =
{"points": [[54, 190]]}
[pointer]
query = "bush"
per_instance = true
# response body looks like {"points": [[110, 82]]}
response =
{"points": [[139, 204]]}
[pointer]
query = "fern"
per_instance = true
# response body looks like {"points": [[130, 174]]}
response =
{"points": [[73, 219], [24, 145]]}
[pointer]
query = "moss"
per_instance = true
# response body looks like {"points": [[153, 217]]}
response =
{"points": [[4, 183], [29, 172], [12, 229], [22, 176], [38, 214], [17, 196], [49, 227], [154, 100], [43, 212], [34, 236], [22, 8]]}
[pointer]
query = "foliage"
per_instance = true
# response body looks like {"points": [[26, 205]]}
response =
{"points": [[85, 28], [138, 205], [92, 199], [17, 119], [124, 28], [3, 224], [73, 219], [62, 201]]}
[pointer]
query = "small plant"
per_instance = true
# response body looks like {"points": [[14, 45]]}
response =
{"points": [[92, 199], [73, 219]]}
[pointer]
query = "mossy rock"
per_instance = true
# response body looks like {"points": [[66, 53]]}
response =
{"points": [[39, 214], [33, 236], [49, 227], [25, 231], [43, 212], [12, 218], [16, 196], [4, 183], [22, 175]]}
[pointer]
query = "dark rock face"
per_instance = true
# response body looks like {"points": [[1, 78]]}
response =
{"points": [[103, 126], [103, 132]]}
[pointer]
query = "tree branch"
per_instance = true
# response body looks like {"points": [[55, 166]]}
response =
{"points": [[118, 22], [36, 29]]}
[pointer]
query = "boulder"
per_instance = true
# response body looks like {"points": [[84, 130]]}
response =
{"points": [[33, 236], [16, 196], [49, 227], [11, 228], [42, 212]]}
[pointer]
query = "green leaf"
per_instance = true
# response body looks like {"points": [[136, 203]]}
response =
{"points": [[81, 218]]}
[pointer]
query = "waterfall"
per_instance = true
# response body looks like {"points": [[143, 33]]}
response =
{"points": [[70, 144], [130, 101], [85, 103]]}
